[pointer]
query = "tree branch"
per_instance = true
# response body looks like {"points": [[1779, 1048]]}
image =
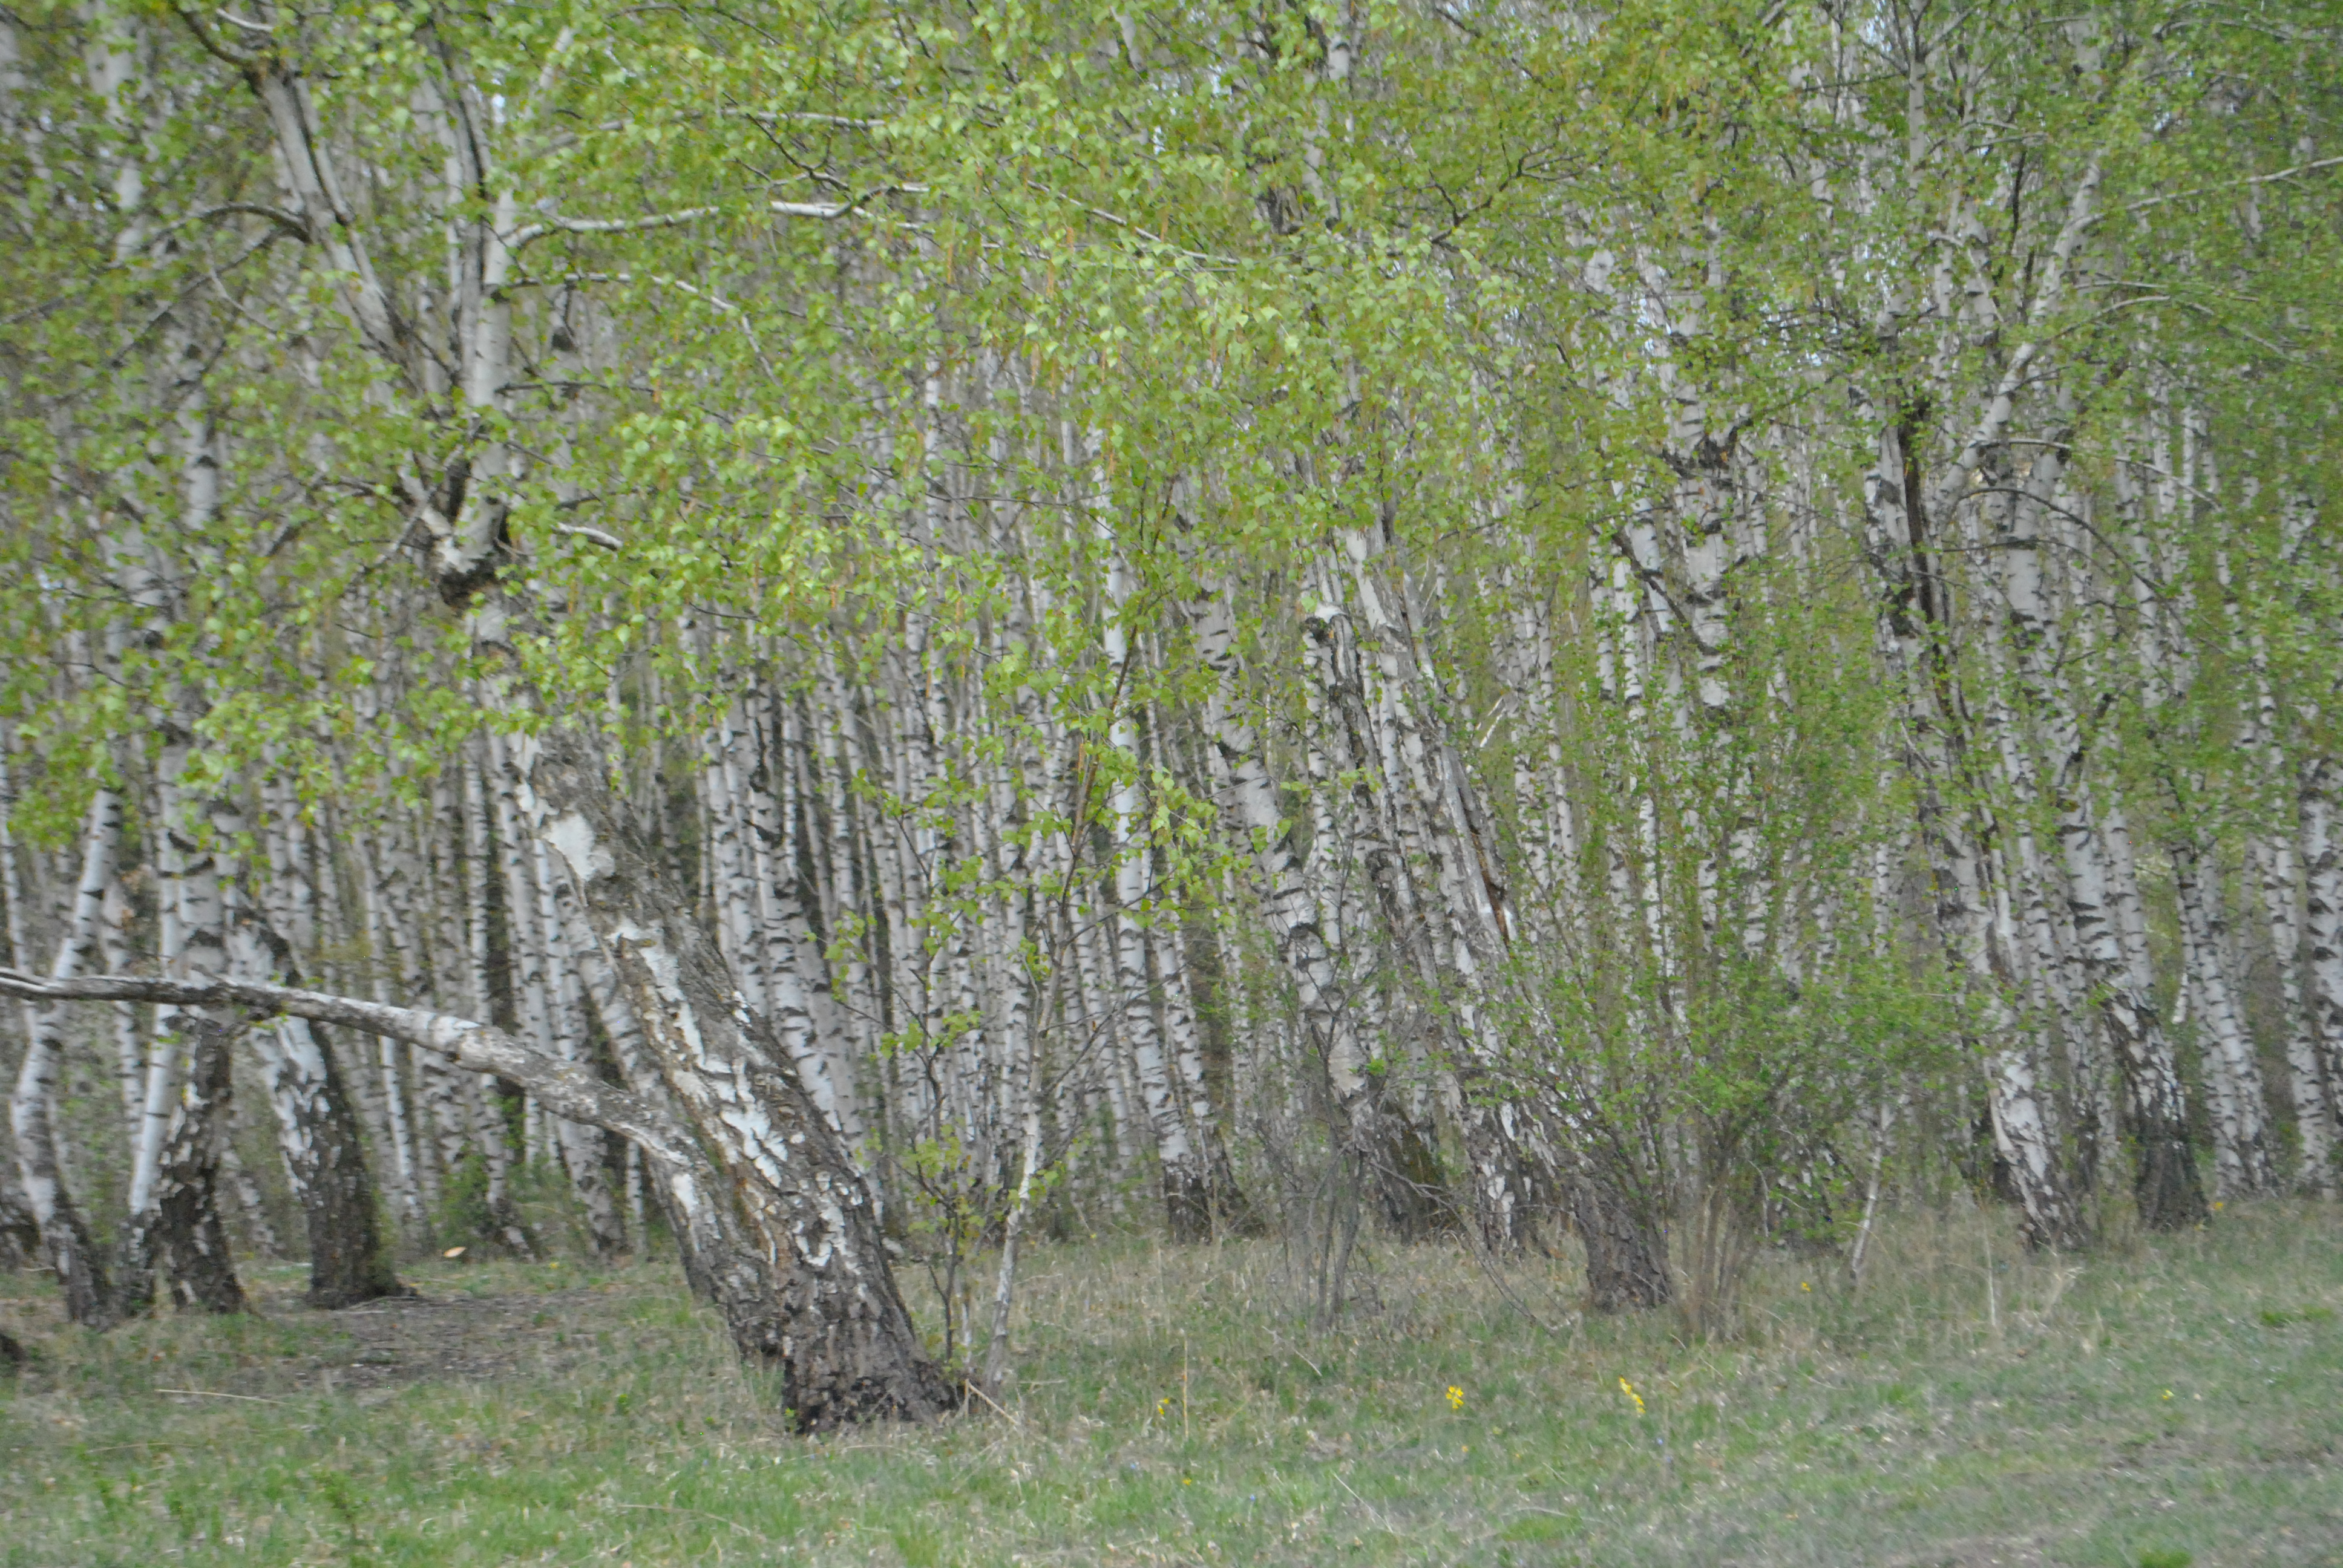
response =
{"points": [[567, 1089], [2310, 167], [537, 231]]}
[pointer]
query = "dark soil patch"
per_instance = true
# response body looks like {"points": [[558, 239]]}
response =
{"points": [[444, 1336], [450, 1339]]}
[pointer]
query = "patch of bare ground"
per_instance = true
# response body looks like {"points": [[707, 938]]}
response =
{"points": [[451, 1331], [440, 1338]]}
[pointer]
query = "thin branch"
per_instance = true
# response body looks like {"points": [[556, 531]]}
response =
{"points": [[592, 535], [293, 224], [537, 231], [2315, 164]]}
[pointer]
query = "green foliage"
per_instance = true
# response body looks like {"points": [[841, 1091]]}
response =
{"points": [[1074, 318]]}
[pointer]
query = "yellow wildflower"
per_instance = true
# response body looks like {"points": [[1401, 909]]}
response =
{"points": [[1629, 1390], [1455, 1397]]}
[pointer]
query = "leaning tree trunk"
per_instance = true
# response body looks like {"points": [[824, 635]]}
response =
{"points": [[318, 1132], [839, 1335], [833, 1323]]}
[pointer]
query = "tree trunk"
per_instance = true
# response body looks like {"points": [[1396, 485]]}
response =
{"points": [[489, 1123], [2165, 1183], [1626, 1270], [65, 1235], [2322, 868], [2240, 1116], [2272, 862], [318, 1133], [186, 1215], [832, 1323], [174, 1193]]}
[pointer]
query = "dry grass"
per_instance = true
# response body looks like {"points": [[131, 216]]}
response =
{"points": [[1970, 1405]]}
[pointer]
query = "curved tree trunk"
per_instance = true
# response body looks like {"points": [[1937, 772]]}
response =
{"points": [[832, 1320], [777, 1227], [318, 1131]]}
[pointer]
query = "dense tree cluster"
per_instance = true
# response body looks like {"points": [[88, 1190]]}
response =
{"points": [[846, 627]]}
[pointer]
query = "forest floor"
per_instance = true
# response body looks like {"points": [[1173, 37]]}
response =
{"points": [[2159, 1403]]}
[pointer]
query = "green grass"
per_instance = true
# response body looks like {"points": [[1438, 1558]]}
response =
{"points": [[2163, 1402]]}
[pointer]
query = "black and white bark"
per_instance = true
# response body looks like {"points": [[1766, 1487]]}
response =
{"points": [[831, 1318], [316, 1125], [185, 1212], [174, 1207], [66, 1240]]}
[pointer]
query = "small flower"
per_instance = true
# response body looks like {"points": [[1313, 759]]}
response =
{"points": [[2219, 1206], [1805, 1286], [1629, 1390], [2167, 1393], [1455, 1397]]}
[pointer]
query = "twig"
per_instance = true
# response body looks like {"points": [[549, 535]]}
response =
{"points": [[216, 1393], [2233, 184], [1373, 1512], [969, 1384], [592, 535]]}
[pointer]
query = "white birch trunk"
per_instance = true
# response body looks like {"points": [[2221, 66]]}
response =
{"points": [[32, 1109], [405, 1188], [2322, 867], [582, 1149], [2272, 861], [489, 1133], [2240, 1117]]}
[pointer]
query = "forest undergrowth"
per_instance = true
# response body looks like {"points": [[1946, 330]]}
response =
{"points": [[2166, 1400]]}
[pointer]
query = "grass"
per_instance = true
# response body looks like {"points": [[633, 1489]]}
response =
{"points": [[2174, 1403]]}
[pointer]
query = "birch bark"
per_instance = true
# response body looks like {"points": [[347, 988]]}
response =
{"points": [[32, 1109], [831, 1319], [317, 1128], [2240, 1133], [174, 1208], [2322, 865]]}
